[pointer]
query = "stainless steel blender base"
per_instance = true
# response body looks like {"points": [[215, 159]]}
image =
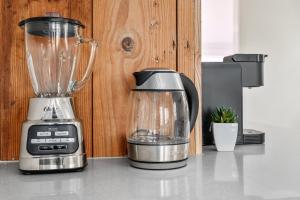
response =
{"points": [[158, 166], [60, 163], [51, 144]]}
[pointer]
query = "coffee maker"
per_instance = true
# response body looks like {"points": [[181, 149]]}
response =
{"points": [[52, 138], [164, 111], [222, 85]]}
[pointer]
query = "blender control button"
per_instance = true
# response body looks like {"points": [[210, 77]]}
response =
{"points": [[61, 133], [53, 140], [59, 147], [43, 134], [37, 141], [45, 148], [67, 140]]}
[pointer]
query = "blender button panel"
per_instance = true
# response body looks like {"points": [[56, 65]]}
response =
{"points": [[45, 148], [53, 140], [59, 147], [43, 134], [37, 141], [61, 133], [67, 140]]}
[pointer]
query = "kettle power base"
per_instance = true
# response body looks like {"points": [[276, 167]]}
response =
{"points": [[158, 165]]}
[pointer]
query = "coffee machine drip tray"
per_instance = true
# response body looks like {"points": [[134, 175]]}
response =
{"points": [[253, 136]]}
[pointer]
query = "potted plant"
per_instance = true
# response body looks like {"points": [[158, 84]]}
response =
{"points": [[225, 128]]}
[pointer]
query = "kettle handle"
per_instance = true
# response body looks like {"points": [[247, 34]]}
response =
{"points": [[192, 98]]}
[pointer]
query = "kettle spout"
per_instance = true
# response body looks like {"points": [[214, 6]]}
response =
{"points": [[142, 76]]}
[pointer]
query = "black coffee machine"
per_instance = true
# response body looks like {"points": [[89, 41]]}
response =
{"points": [[222, 85]]}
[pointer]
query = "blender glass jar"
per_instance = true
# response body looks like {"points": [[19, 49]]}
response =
{"points": [[52, 50]]}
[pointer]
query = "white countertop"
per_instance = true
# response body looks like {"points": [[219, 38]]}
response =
{"points": [[270, 171]]}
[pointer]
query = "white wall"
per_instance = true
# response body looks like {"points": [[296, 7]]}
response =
{"points": [[219, 29], [272, 27]]}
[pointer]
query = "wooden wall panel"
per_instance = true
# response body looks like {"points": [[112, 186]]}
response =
{"points": [[147, 30], [198, 74], [15, 84], [188, 56], [133, 35], [82, 10]]}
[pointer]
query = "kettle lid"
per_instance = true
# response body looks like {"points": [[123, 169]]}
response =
{"points": [[158, 79]]}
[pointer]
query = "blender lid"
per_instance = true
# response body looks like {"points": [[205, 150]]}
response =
{"points": [[43, 26], [51, 19]]}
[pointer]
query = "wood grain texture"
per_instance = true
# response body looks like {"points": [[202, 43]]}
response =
{"points": [[198, 74], [188, 56], [149, 30], [82, 10], [15, 84], [133, 34]]}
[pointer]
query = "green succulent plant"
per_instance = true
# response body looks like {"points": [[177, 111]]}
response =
{"points": [[223, 115]]}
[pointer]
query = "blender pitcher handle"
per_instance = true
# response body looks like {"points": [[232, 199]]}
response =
{"points": [[90, 67]]}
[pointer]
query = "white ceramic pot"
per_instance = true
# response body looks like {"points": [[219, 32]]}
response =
{"points": [[225, 135]]}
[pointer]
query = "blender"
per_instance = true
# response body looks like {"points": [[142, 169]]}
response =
{"points": [[52, 137]]}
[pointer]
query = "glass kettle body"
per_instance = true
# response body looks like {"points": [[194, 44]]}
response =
{"points": [[164, 111], [160, 118]]}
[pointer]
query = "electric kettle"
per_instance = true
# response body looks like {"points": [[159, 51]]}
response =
{"points": [[164, 111]]}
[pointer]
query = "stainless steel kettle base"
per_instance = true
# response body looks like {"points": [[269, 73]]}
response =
{"points": [[158, 166], [157, 153]]}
